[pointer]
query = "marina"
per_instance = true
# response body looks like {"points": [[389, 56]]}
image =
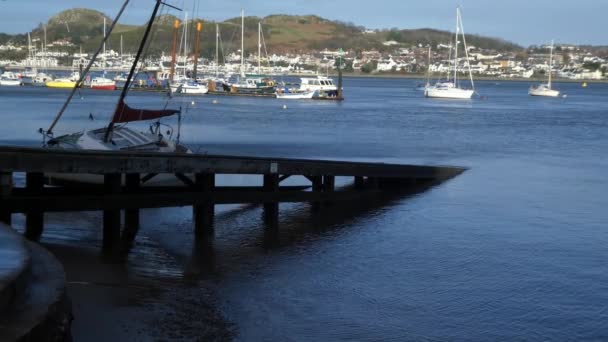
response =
{"points": [[200, 196]]}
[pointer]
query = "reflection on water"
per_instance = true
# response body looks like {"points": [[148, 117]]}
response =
{"points": [[512, 249]]}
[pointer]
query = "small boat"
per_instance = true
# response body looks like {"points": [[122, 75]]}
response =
{"points": [[324, 86], [451, 89], [189, 87], [10, 79], [62, 83], [545, 88], [116, 136], [287, 94], [102, 83], [41, 79]]}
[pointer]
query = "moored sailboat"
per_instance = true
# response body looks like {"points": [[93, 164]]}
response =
{"points": [[545, 88], [103, 83], [450, 88]]}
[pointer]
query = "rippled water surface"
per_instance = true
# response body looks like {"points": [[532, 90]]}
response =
{"points": [[515, 248]]}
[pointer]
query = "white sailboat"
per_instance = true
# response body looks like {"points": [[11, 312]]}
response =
{"points": [[103, 83], [451, 89], [117, 136], [183, 84], [545, 89], [251, 85]]}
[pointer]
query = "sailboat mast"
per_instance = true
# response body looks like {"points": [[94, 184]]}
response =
{"points": [[217, 51], [428, 70], [174, 50], [550, 64], [259, 48], [456, 47], [197, 39], [49, 131], [242, 42], [142, 45], [185, 42], [466, 51], [104, 47], [121, 50]]}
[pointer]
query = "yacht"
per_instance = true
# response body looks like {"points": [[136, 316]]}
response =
{"points": [[545, 88], [450, 88]]}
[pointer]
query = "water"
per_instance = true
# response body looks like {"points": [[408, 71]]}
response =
{"points": [[515, 248]]}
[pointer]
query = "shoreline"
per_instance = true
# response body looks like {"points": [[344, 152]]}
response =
{"points": [[420, 76]]}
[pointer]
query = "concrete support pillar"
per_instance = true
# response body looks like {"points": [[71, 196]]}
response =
{"points": [[111, 217], [203, 213], [34, 219], [6, 189]]}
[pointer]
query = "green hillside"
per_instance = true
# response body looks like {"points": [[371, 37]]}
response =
{"points": [[283, 33]]}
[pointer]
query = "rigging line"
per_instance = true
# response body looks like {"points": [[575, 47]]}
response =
{"points": [[133, 67], [153, 33], [49, 131]]}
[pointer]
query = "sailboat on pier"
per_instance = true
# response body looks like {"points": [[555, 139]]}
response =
{"points": [[450, 88], [116, 136]]}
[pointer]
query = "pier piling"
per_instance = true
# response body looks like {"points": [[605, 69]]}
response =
{"points": [[34, 218], [203, 213], [132, 184], [6, 189], [111, 217]]}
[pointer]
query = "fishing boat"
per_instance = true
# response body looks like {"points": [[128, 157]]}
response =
{"points": [[103, 83], [451, 88], [116, 136], [10, 79], [294, 94], [545, 88], [322, 85]]}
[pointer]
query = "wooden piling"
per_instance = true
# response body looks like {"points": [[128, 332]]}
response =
{"points": [[132, 183], [203, 213], [34, 219], [271, 209], [6, 189], [359, 182], [317, 186], [111, 217]]}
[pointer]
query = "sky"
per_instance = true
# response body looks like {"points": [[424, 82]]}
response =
{"points": [[525, 22]]}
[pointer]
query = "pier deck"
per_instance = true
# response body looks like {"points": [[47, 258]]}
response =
{"points": [[123, 177]]}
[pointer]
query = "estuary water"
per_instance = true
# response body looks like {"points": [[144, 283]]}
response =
{"points": [[515, 248]]}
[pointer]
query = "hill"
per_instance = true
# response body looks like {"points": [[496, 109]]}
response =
{"points": [[282, 33]]}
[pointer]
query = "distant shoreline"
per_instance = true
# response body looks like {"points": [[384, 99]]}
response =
{"points": [[475, 78], [363, 75]]}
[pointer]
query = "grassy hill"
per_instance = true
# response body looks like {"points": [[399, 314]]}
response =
{"points": [[283, 33]]}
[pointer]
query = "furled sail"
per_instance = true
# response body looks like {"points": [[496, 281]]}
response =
{"points": [[124, 113]]}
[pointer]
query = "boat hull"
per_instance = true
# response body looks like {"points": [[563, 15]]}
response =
{"points": [[296, 96], [60, 85], [104, 87], [11, 83], [449, 93], [544, 92]]}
